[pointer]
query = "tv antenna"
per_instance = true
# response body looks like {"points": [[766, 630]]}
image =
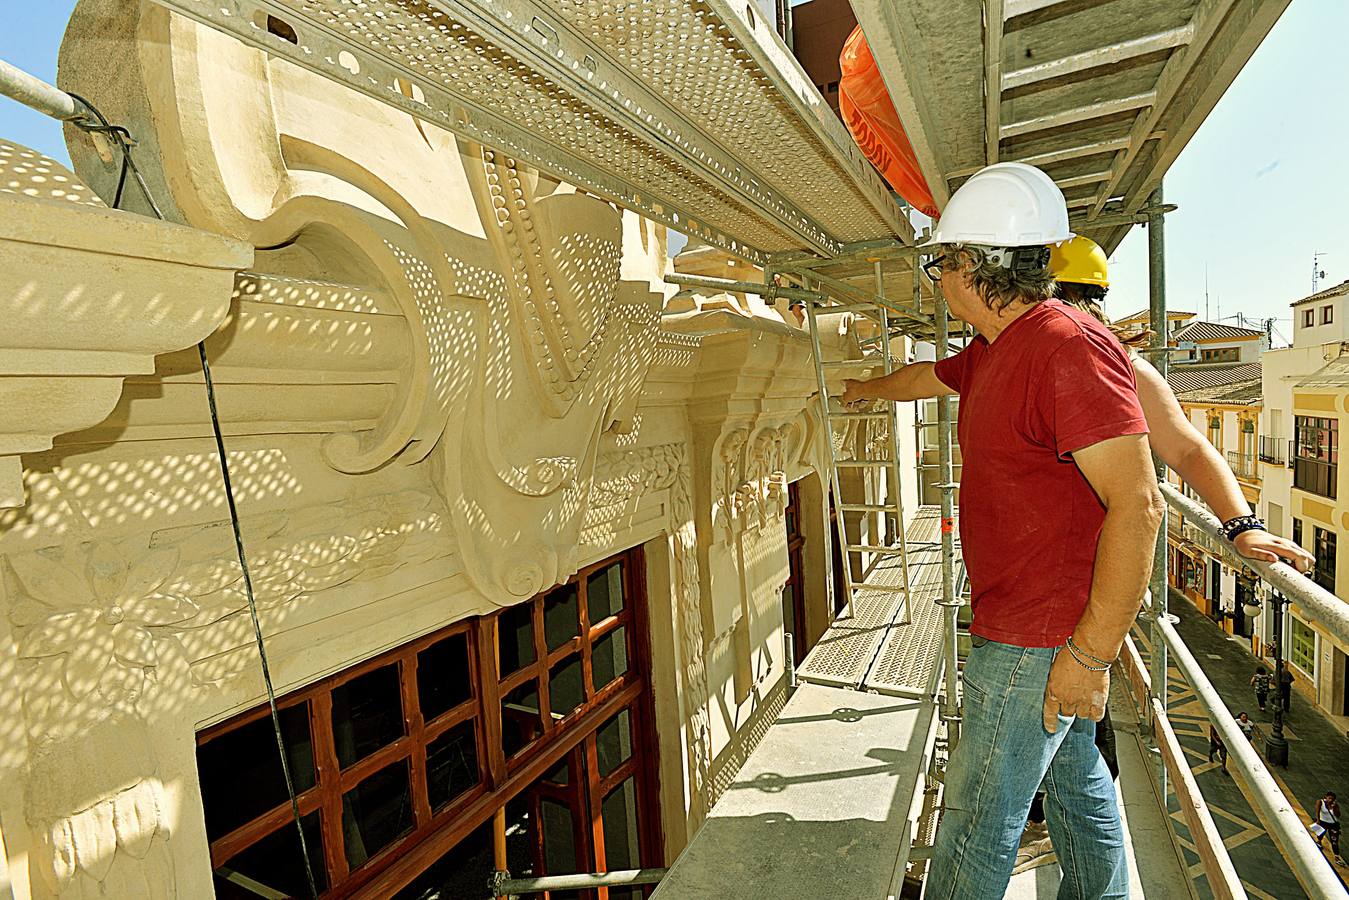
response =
{"points": [[1317, 272]]}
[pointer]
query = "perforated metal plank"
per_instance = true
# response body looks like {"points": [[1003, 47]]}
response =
{"points": [[690, 112], [825, 806], [909, 660], [845, 651]]}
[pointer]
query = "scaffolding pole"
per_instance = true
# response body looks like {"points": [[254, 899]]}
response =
{"points": [[949, 602], [1157, 610], [892, 423], [37, 94]]}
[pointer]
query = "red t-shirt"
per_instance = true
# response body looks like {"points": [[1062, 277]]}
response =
{"points": [[1053, 382]]}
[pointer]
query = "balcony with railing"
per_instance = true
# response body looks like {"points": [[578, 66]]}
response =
{"points": [[1273, 450], [1243, 465]]}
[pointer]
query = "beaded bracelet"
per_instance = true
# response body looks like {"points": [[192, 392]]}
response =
{"points": [[1078, 653], [1242, 524]]}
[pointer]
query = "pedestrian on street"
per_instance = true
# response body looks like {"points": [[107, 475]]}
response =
{"points": [[1285, 687], [1246, 725], [1328, 818], [1049, 412], [1261, 682], [1217, 746]]}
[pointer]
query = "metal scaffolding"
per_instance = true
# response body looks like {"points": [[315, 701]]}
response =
{"points": [[803, 190]]}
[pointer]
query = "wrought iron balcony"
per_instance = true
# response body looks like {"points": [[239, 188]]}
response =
{"points": [[1243, 465], [1273, 450]]}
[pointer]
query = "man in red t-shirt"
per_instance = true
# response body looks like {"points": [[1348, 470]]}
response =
{"points": [[1059, 511]]}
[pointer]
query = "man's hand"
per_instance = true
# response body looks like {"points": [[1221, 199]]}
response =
{"points": [[853, 392], [1272, 548], [1074, 690]]}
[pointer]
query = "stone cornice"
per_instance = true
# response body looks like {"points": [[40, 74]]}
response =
{"points": [[88, 296]]}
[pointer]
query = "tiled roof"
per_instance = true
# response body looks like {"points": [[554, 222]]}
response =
{"points": [[1338, 290], [1143, 315], [1247, 392], [1201, 377], [1208, 331], [1333, 374]]}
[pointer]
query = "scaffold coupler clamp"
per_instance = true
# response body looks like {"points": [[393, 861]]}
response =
{"points": [[496, 884]]}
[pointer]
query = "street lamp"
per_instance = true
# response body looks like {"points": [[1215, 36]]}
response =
{"points": [[1276, 745]]}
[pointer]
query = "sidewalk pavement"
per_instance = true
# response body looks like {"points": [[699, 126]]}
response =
{"points": [[1316, 757]]}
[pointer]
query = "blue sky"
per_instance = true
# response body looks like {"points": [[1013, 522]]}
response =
{"points": [[1261, 187]]}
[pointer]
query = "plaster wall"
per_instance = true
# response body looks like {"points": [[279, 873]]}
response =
{"points": [[1282, 370]]}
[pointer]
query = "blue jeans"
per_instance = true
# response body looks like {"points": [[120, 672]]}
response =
{"points": [[1003, 756]]}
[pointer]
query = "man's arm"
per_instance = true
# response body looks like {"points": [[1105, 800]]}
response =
{"points": [[1198, 463], [918, 381], [1119, 470]]}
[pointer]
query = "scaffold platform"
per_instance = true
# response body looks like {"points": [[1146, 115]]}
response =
{"points": [[875, 649], [829, 798], [838, 780]]}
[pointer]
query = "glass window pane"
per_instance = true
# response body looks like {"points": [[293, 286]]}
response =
{"points": [[515, 637], [561, 615], [614, 742], [559, 838], [461, 872], [604, 593], [522, 842], [560, 775], [521, 721], [610, 657], [240, 771], [452, 764], [621, 846], [566, 687], [276, 861], [367, 714], [376, 812], [443, 677]]}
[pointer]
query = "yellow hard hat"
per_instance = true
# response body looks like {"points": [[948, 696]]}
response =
{"points": [[1081, 261]]}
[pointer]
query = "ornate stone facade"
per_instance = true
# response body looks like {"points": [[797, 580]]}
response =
{"points": [[444, 383]]}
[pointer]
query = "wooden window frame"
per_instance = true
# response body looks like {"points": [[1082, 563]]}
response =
{"points": [[796, 541], [1316, 455], [1327, 315], [1295, 649], [1309, 318], [1324, 548], [499, 779]]}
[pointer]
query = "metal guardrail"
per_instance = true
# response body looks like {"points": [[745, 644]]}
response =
{"points": [[1208, 841], [1316, 605], [505, 886], [1275, 810]]}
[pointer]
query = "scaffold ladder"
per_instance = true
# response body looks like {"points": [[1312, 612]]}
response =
{"points": [[883, 507]]}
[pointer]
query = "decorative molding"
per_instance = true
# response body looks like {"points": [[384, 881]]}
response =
{"points": [[90, 296], [752, 479], [730, 473], [563, 361], [99, 611], [666, 467]]}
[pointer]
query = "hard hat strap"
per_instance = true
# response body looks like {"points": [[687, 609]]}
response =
{"points": [[1018, 259]]}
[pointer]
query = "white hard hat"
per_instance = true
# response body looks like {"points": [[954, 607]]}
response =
{"points": [[1004, 205]]}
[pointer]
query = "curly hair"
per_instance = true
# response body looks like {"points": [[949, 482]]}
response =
{"points": [[1088, 297], [997, 286]]}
